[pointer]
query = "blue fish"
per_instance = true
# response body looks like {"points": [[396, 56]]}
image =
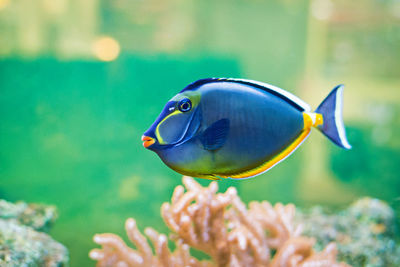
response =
{"points": [[236, 128]]}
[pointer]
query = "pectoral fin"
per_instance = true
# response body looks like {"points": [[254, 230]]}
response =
{"points": [[214, 137]]}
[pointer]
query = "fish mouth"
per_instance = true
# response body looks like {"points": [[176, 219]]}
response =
{"points": [[148, 141]]}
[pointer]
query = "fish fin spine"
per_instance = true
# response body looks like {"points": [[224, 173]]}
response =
{"points": [[312, 119], [274, 161], [331, 110]]}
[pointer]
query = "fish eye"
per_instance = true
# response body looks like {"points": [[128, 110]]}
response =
{"points": [[185, 105]]}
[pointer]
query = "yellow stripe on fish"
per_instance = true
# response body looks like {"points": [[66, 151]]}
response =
{"points": [[310, 120], [157, 132], [271, 163]]}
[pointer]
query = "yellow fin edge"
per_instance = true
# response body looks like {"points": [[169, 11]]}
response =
{"points": [[271, 163]]}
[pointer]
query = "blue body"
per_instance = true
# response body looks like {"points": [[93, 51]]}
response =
{"points": [[260, 125]]}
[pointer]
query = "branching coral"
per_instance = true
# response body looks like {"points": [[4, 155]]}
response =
{"points": [[220, 225], [116, 253]]}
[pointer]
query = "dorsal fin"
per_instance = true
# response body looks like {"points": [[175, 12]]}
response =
{"points": [[198, 83], [292, 99]]}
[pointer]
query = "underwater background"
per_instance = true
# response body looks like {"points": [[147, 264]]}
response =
{"points": [[80, 81]]}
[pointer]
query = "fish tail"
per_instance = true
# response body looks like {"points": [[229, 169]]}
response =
{"points": [[331, 121]]}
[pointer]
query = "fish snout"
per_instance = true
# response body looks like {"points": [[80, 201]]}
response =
{"points": [[148, 141]]}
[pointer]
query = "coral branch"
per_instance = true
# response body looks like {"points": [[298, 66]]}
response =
{"points": [[115, 252], [220, 225]]}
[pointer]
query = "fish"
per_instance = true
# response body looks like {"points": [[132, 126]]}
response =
{"points": [[236, 128]]}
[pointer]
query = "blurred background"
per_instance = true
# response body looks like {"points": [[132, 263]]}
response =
{"points": [[80, 81]]}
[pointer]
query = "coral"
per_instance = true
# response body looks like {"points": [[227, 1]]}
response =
{"points": [[220, 225], [22, 243], [364, 232], [39, 217], [116, 253]]}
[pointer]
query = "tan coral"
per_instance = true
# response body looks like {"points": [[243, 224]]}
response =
{"points": [[220, 225], [115, 252], [298, 252], [197, 217]]}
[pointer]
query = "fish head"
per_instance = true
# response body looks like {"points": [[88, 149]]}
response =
{"points": [[177, 122]]}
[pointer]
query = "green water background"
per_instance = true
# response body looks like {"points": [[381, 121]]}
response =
{"points": [[70, 124]]}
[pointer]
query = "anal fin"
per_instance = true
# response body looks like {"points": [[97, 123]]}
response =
{"points": [[208, 177], [274, 161]]}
